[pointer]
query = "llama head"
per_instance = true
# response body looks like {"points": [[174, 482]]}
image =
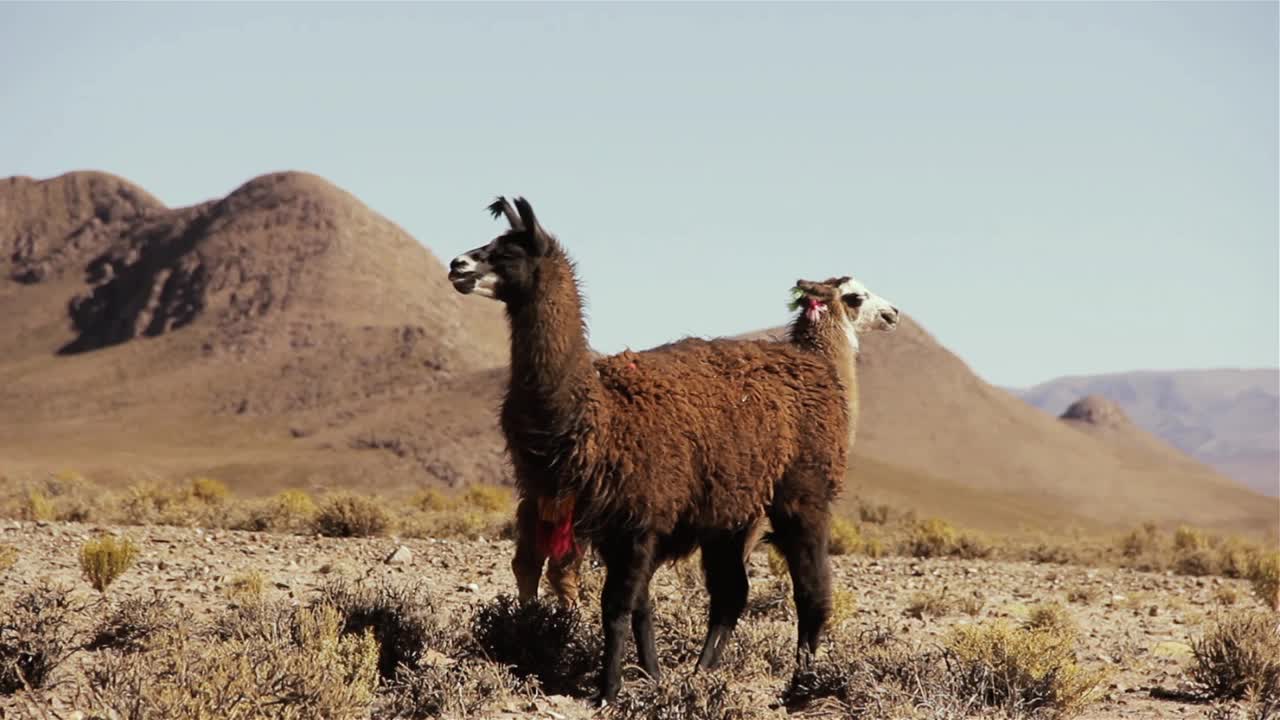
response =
{"points": [[504, 269], [846, 303]]}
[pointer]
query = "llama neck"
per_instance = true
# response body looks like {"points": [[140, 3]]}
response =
{"points": [[552, 376], [837, 341]]}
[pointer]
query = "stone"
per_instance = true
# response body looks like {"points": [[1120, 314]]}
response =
{"points": [[400, 556]]}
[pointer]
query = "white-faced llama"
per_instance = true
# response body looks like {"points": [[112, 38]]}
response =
{"points": [[649, 446]]}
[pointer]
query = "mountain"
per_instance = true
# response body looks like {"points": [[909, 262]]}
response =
{"points": [[282, 334], [1227, 419], [286, 335]]}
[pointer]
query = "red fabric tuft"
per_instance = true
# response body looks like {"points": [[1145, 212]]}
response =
{"points": [[554, 536]]}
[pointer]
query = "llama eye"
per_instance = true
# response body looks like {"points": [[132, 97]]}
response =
{"points": [[853, 300]]}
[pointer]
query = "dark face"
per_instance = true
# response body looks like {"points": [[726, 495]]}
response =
{"points": [[506, 268]]}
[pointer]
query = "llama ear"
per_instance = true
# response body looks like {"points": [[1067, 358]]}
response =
{"points": [[502, 207], [538, 239]]}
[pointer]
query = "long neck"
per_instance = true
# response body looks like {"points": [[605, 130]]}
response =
{"points": [[835, 339], [552, 377]]}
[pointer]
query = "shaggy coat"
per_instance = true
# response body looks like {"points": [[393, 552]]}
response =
{"points": [[647, 445]]}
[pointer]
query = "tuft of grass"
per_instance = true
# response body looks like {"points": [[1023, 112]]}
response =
{"points": [[1265, 579], [972, 546], [539, 639], [875, 513], [288, 511], [8, 557], [1051, 617], [929, 604], [1226, 595], [105, 559], [37, 634], [1083, 595], [1238, 656], [1022, 670], [39, 507], [846, 539], [931, 538], [488, 498], [778, 563], [432, 500], [246, 587], [844, 606], [971, 604], [209, 491], [348, 515]]}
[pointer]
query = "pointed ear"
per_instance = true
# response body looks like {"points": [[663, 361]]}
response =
{"points": [[539, 241], [502, 207]]}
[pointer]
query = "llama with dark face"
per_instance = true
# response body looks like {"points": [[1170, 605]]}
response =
{"points": [[647, 446]]}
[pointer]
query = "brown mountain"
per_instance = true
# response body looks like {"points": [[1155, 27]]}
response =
{"points": [[287, 335], [284, 333]]}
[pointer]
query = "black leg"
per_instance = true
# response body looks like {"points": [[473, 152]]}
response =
{"points": [[642, 628], [727, 586], [803, 541], [627, 567]]}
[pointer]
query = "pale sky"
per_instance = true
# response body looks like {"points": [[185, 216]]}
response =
{"points": [[1049, 189]]}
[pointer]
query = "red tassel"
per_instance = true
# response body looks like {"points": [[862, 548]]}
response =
{"points": [[554, 536]]}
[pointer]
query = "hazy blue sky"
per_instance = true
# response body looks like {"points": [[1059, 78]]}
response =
{"points": [[1048, 188]]}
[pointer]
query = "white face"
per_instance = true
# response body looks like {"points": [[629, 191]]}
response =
{"points": [[874, 313]]}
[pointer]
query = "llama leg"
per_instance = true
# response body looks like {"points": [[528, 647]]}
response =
{"points": [[727, 585], [627, 565], [803, 541], [527, 563], [563, 576], [642, 629]]}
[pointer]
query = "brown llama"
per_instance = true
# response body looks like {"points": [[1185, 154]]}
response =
{"points": [[816, 328], [646, 446]]}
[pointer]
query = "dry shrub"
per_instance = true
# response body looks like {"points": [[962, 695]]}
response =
{"points": [[1235, 558], [876, 513], [404, 621], [8, 557], [209, 491], [488, 498], [1226, 595], [246, 587], [432, 500], [971, 546], [698, 696], [287, 511], [193, 504], [844, 606], [105, 559], [1052, 617], [874, 675], [778, 563], [1265, 579], [1238, 656], [313, 671], [1083, 594], [1021, 671], [64, 497], [468, 688], [970, 604], [539, 639], [929, 604], [348, 515], [465, 524], [846, 539], [931, 538], [130, 624], [37, 633]]}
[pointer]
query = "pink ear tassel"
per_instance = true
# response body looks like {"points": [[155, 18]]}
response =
{"points": [[815, 310]]}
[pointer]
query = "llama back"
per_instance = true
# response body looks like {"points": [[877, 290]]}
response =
{"points": [[710, 402]]}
